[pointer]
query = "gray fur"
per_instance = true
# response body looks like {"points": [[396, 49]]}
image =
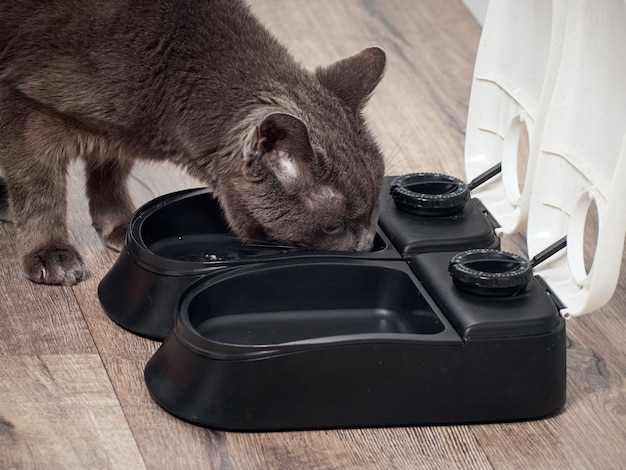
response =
{"points": [[196, 82]]}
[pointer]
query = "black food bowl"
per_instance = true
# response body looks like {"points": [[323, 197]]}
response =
{"points": [[177, 239], [311, 343]]}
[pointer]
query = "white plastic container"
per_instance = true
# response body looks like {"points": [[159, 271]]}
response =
{"points": [[556, 70]]}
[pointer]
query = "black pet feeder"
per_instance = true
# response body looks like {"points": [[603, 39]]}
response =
{"points": [[424, 329]]}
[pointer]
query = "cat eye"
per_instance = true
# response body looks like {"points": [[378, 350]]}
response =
{"points": [[332, 229]]}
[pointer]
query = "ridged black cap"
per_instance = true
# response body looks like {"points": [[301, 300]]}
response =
{"points": [[429, 194], [490, 272]]}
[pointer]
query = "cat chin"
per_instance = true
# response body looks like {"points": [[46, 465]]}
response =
{"points": [[366, 241], [363, 243]]}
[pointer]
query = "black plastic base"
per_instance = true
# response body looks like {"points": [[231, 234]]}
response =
{"points": [[267, 337], [139, 301], [364, 384]]}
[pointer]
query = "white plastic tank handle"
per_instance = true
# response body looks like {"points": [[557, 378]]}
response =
{"points": [[556, 69]]}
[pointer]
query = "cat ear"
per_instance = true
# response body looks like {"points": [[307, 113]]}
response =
{"points": [[281, 143], [354, 78]]}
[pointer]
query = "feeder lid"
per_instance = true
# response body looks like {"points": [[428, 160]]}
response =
{"points": [[429, 194], [548, 83], [490, 272]]}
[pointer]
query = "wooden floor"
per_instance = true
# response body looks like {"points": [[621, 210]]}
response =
{"points": [[71, 387]]}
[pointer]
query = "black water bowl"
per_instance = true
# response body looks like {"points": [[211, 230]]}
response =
{"points": [[177, 239], [298, 346]]}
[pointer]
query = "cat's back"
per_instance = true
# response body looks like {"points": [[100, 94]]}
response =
{"points": [[83, 26], [101, 50]]}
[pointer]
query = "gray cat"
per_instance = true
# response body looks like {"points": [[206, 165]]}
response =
{"points": [[196, 82]]}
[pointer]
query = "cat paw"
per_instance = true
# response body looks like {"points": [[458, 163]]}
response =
{"points": [[57, 264], [116, 238]]}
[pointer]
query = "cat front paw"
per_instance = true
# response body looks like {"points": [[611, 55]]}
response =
{"points": [[56, 264], [115, 239]]}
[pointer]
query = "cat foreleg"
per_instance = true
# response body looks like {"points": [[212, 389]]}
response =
{"points": [[110, 204], [33, 155], [38, 205]]}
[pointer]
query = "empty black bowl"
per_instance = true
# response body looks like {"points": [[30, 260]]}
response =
{"points": [[311, 343], [326, 343]]}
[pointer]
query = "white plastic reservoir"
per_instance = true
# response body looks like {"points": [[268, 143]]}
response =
{"points": [[548, 102]]}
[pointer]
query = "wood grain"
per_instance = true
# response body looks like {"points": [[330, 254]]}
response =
{"points": [[59, 411], [71, 382], [35, 319]]}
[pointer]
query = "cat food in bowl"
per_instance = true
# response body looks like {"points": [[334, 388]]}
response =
{"points": [[177, 239]]}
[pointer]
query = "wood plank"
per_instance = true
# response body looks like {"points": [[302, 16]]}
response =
{"points": [[36, 319], [385, 448], [59, 411]]}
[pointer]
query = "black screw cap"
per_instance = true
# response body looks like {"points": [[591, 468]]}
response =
{"points": [[490, 272], [429, 194]]}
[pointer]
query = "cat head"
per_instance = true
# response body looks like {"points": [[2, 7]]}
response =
{"points": [[313, 179]]}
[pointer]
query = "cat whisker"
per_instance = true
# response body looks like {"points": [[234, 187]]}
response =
{"points": [[394, 160]]}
